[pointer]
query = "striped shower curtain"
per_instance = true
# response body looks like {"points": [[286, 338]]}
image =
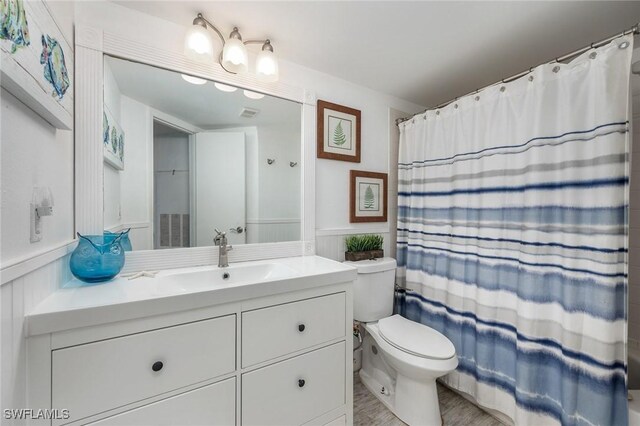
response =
{"points": [[512, 238]]}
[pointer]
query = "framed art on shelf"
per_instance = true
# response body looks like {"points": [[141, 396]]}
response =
{"points": [[368, 197], [338, 132], [37, 61]]}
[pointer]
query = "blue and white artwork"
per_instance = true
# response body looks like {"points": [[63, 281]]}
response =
{"points": [[112, 140], [13, 24], [37, 60], [55, 67]]}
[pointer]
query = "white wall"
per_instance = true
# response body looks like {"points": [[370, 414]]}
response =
{"points": [[126, 192], [135, 185], [32, 154], [332, 177], [279, 186]]}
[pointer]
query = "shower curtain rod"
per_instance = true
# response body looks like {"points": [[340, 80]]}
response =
{"points": [[633, 30]]}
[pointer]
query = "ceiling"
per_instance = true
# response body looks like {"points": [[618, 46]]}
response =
{"points": [[203, 106], [425, 52]]}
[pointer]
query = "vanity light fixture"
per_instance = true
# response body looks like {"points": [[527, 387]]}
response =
{"points": [[192, 79], [253, 95], [234, 58]]}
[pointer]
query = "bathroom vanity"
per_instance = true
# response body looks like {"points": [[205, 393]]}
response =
{"points": [[264, 342]]}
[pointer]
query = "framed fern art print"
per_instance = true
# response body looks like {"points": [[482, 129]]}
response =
{"points": [[338, 132], [368, 197]]}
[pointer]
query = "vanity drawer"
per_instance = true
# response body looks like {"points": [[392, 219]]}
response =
{"points": [[209, 405], [278, 330], [95, 377], [297, 390]]}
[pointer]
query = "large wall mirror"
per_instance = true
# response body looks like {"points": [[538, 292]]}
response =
{"points": [[185, 156]]}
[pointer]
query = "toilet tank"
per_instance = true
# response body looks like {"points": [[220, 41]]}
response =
{"points": [[373, 289]]}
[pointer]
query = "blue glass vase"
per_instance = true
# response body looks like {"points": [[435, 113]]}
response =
{"points": [[97, 258], [124, 238]]}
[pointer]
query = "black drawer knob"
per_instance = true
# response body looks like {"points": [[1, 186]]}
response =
{"points": [[157, 366], [301, 327], [301, 383]]}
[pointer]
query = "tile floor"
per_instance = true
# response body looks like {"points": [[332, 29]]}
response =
{"points": [[455, 410]]}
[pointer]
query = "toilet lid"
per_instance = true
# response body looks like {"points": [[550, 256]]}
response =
{"points": [[415, 338]]}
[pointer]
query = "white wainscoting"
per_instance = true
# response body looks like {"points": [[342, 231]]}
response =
{"points": [[17, 298]]}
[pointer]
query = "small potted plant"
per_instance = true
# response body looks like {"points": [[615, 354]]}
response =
{"points": [[363, 247]]}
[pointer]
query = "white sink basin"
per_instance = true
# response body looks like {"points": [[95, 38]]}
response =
{"points": [[178, 290], [224, 277]]}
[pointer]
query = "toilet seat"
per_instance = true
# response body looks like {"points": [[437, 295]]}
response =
{"points": [[415, 338]]}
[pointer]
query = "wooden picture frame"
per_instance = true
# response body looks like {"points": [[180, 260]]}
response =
{"points": [[367, 197], [338, 132]]}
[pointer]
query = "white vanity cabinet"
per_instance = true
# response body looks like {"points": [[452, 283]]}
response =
{"points": [[279, 359], [209, 405], [96, 377]]}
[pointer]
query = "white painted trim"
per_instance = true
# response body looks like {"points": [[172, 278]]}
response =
{"points": [[173, 122], [192, 190], [132, 225], [176, 123], [270, 221], [91, 45], [308, 173], [19, 267], [350, 231], [89, 157]]}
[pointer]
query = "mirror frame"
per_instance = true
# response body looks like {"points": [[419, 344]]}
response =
{"points": [[91, 44]]}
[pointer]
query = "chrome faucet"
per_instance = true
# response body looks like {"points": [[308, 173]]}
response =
{"points": [[221, 241]]}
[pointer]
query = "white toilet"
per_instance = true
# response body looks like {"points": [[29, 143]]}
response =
{"points": [[401, 359]]}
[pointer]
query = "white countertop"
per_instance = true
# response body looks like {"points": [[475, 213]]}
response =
{"points": [[80, 305]]}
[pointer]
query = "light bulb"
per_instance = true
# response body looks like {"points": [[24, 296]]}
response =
{"points": [[193, 80], [225, 87], [234, 56], [253, 95], [198, 44], [267, 66]]}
